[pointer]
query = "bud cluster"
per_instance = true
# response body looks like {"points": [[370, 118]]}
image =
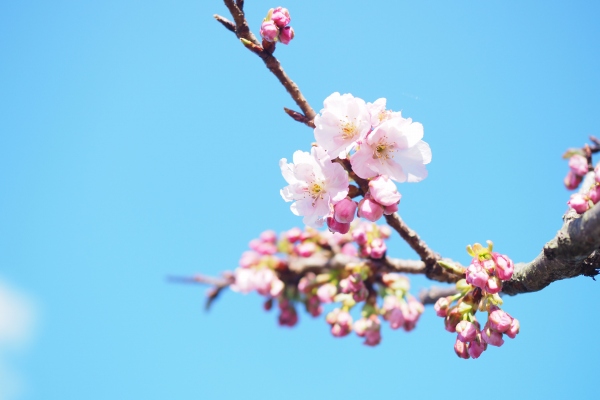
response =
{"points": [[479, 292], [269, 270], [275, 27], [584, 200]]}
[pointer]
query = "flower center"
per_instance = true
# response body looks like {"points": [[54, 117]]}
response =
{"points": [[316, 190], [384, 151], [348, 130]]}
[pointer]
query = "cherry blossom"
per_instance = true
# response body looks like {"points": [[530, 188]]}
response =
{"points": [[315, 185], [394, 149], [342, 122]]}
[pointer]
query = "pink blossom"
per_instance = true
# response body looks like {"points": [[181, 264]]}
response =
{"points": [[578, 164], [248, 259], [594, 194], [288, 315], [337, 227], [326, 292], [370, 329], [504, 266], [307, 282], [476, 275], [269, 31], [294, 234], [573, 180], [452, 319], [597, 173], [579, 203], [244, 280], [281, 16], [441, 306], [467, 331], [342, 122], [349, 249], [493, 285], [372, 337], [476, 348], [313, 306], [492, 337], [286, 35], [461, 350], [315, 185], [340, 321], [394, 149], [269, 237], [383, 190], [345, 210], [378, 248], [359, 235], [369, 209], [306, 249], [384, 231], [499, 320], [514, 329], [389, 210]]}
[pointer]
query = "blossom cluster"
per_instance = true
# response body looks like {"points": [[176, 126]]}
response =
{"points": [[275, 27], [379, 145], [479, 292], [273, 269]]}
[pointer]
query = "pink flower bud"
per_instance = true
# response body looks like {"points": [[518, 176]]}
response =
{"points": [[294, 234], [288, 315], [306, 249], [476, 348], [338, 227], [267, 305], [372, 338], [477, 276], [266, 248], [248, 259], [441, 307], [452, 319], [461, 349], [369, 209], [384, 231], [360, 327], [594, 194], [341, 322], [286, 35], [351, 284], [306, 282], [493, 285], [269, 237], [504, 266], [579, 203], [383, 190], [489, 266], [326, 292], [396, 318], [389, 210], [313, 306], [378, 248], [572, 180], [514, 329], [277, 287], [492, 337], [345, 210], [360, 236], [350, 250], [269, 31], [467, 331], [499, 320], [281, 17], [578, 164]]}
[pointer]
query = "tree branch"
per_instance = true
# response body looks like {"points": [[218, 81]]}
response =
{"points": [[431, 295], [572, 252]]}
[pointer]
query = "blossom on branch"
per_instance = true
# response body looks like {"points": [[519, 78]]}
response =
{"points": [[315, 185], [394, 148], [342, 122]]}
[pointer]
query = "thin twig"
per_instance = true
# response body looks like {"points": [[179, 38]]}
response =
{"points": [[431, 295], [225, 22], [242, 31]]}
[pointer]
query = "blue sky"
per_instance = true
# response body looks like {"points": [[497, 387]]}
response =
{"points": [[139, 139]]}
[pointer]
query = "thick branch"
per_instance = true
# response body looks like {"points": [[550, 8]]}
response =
{"points": [[572, 252], [243, 32]]}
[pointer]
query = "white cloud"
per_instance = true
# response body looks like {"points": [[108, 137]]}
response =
{"points": [[16, 327]]}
